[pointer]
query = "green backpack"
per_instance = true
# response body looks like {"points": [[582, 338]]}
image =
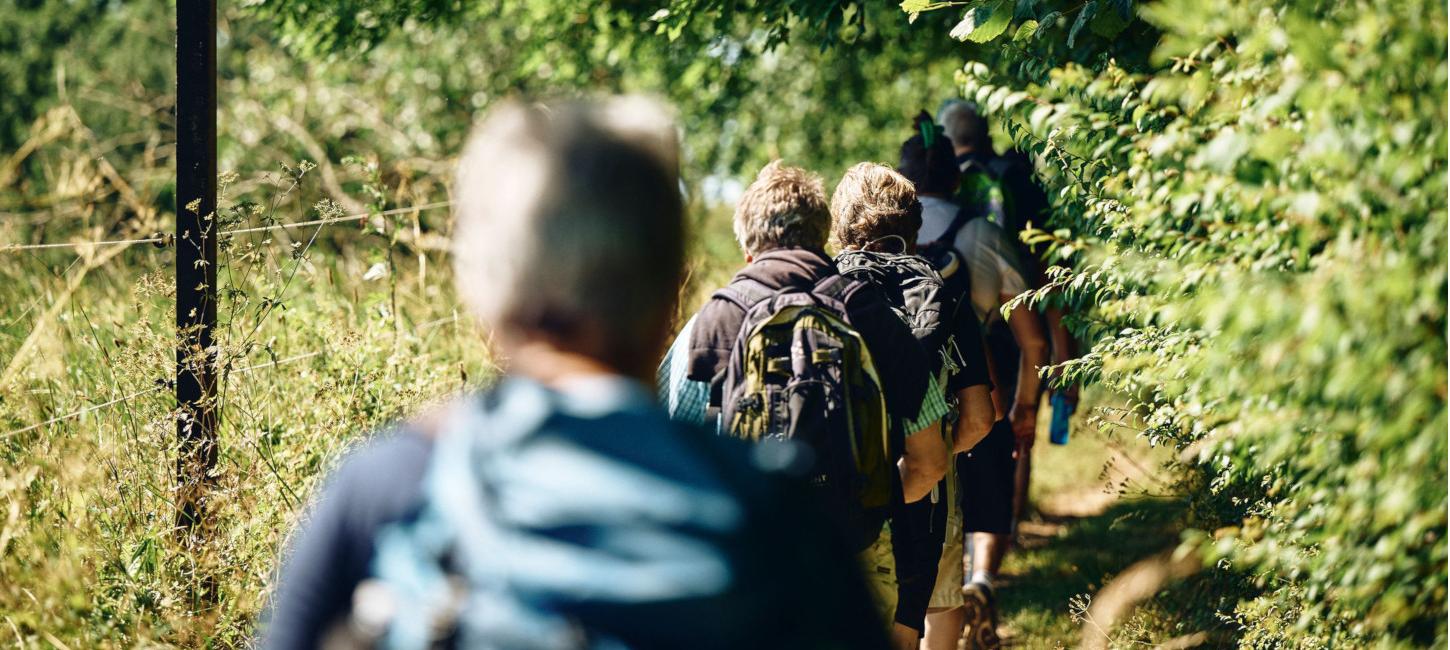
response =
{"points": [[981, 194]]}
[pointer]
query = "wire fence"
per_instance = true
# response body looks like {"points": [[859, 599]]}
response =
{"points": [[147, 391], [162, 239]]}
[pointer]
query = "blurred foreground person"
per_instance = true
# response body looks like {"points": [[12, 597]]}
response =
{"points": [[561, 508], [790, 349]]}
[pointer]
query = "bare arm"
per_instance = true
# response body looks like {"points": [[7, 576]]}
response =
{"points": [[1027, 330], [999, 392], [1064, 347], [924, 462], [975, 415]]}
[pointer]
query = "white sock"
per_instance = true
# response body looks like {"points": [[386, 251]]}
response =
{"points": [[982, 578]]}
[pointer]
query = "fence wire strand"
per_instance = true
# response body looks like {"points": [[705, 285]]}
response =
{"points": [[76, 414], [225, 233], [10, 248], [147, 391]]}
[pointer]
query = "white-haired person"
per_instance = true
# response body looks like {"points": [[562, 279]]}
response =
{"points": [[561, 508]]}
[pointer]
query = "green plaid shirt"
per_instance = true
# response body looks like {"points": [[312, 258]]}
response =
{"points": [[684, 399], [933, 408]]}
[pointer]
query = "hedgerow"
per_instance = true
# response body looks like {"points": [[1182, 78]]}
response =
{"points": [[1251, 224]]}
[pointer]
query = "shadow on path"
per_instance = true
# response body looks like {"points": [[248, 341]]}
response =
{"points": [[1062, 559]]}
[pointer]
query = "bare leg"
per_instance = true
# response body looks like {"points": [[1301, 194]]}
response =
{"points": [[987, 552], [944, 629], [1021, 483], [981, 609], [903, 637]]}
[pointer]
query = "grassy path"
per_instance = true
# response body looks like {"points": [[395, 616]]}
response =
{"points": [[1077, 535]]}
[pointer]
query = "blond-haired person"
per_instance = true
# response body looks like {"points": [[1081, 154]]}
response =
{"points": [[1017, 348], [876, 216]]}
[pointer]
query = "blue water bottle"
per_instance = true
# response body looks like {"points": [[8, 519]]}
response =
{"points": [[1062, 409]]}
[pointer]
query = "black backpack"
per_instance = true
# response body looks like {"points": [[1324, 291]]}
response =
{"points": [[930, 306], [800, 371], [920, 296]]}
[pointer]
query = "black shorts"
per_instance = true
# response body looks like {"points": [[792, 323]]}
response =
{"points": [[984, 477], [985, 474], [917, 533]]}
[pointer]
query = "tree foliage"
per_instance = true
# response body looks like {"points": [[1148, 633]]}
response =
{"points": [[747, 87], [1254, 215], [1249, 218]]}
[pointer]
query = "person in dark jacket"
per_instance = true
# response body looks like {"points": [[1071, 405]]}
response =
{"points": [[562, 508], [781, 223], [1003, 189], [876, 216]]}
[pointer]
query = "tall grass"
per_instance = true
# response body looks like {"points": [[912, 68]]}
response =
{"points": [[316, 352]]}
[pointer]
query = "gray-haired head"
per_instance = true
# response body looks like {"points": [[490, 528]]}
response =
{"points": [[569, 227], [964, 124]]}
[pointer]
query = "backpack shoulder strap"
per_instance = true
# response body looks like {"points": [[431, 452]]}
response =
{"points": [[990, 169], [836, 287], [744, 293], [999, 167], [949, 236], [855, 265]]}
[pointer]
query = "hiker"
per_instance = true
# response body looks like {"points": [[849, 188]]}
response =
{"points": [[876, 216], [1008, 183], [791, 349], [561, 508], [986, 473]]}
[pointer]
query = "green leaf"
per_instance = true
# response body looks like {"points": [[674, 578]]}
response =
{"points": [[969, 23], [1025, 31], [1047, 22], [1086, 14], [984, 22], [915, 7], [1110, 23]]}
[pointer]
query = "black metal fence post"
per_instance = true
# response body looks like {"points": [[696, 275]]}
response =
{"points": [[196, 249]]}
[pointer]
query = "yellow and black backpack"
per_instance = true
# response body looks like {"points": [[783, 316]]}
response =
{"points": [[800, 371]]}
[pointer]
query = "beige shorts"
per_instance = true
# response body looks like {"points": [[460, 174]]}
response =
{"points": [[950, 570], [879, 566]]}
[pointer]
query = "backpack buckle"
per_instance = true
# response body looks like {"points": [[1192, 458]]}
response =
{"points": [[778, 365], [751, 402], [831, 355]]}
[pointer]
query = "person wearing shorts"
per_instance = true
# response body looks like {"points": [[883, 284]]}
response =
{"points": [[985, 475], [875, 216]]}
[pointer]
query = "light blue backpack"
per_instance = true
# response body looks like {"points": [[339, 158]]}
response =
{"points": [[536, 509]]}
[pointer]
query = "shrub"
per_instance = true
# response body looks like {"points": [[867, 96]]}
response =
{"points": [[1255, 218]]}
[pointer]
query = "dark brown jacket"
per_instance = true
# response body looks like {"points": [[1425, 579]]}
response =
{"points": [[903, 365]]}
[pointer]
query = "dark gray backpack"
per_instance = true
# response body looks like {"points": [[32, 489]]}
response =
{"points": [[799, 370]]}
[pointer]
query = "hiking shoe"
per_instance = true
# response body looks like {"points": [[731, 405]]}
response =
{"points": [[981, 608]]}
